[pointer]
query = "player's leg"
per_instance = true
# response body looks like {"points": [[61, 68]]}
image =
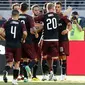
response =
{"points": [[55, 66], [44, 63], [54, 63], [31, 54], [17, 58], [26, 61], [63, 58], [15, 72], [45, 68], [6, 70], [21, 71], [25, 64], [8, 66], [63, 67], [35, 67]]}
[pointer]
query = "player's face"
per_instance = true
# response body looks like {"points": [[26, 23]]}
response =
{"points": [[17, 8], [36, 11], [58, 8]]}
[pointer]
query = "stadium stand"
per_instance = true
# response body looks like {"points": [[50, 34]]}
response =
{"points": [[76, 4]]}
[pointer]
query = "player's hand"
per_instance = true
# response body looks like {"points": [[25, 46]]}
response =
{"points": [[64, 32], [36, 35], [23, 41]]}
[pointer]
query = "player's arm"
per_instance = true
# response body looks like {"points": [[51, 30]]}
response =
{"points": [[39, 19], [39, 26], [24, 33], [68, 27], [33, 30]]}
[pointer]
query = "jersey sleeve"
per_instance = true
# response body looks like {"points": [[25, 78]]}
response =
{"points": [[23, 27], [65, 19]]}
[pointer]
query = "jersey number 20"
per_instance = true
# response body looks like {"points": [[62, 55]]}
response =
{"points": [[51, 23]]}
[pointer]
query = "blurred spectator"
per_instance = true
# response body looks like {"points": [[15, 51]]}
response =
{"points": [[78, 25], [2, 20], [16, 6]]}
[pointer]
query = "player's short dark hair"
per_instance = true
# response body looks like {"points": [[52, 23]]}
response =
{"points": [[59, 3], [15, 4], [35, 5], [24, 6], [15, 12], [75, 13], [50, 6]]}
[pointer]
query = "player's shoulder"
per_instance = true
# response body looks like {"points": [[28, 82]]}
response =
{"points": [[8, 21]]}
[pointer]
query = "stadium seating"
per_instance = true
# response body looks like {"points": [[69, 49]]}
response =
{"points": [[76, 4]]}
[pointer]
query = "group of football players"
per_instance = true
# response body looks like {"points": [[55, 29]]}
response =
{"points": [[40, 37]]}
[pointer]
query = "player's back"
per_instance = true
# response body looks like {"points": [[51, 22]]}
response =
{"points": [[51, 26], [26, 19], [13, 31]]}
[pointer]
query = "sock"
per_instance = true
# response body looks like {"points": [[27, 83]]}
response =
{"points": [[45, 67], [15, 73], [7, 68], [24, 70], [21, 68], [35, 69], [55, 65], [25, 73], [64, 67]]}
